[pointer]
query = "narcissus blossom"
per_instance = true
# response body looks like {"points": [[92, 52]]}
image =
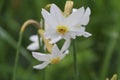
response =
{"points": [[52, 58], [58, 26], [35, 43]]}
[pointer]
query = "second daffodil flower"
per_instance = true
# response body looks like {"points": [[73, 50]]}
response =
{"points": [[58, 26], [52, 58], [35, 43]]}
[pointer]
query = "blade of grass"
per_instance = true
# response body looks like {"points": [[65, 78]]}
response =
{"points": [[9, 39], [76, 75], [108, 55]]}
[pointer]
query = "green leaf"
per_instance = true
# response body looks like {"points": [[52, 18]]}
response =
{"points": [[9, 39]]}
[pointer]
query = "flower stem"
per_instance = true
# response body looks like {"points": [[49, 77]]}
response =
{"points": [[108, 55], [41, 48], [44, 74], [118, 65], [76, 77], [37, 25], [17, 55]]}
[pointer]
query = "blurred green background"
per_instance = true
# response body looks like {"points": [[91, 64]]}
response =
{"points": [[92, 52]]}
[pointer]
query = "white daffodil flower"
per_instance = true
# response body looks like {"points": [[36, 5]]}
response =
{"points": [[53, 58], [58, 26], [35, 43]]}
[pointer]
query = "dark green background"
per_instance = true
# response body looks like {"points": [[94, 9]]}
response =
{"points": [[104, 26]]}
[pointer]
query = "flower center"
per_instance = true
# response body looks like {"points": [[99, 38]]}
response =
{"points": [[62, 29], [55, 60]]}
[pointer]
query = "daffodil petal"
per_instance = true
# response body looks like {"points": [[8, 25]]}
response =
{"points": [[45, 14], [66, 45], [41, 66], [63, 55], [34, 38], [69, 35], [48, 19], [74, 19], [74, 10], [41, 56], [85, 18], [72, 34], [56, 14], [86, 34], [55, 40], [82, 32], [55, 51], [77, 31], [66, 52], [33, 46], [52, 34]]}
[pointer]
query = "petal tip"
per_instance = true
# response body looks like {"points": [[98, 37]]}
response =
{"points": [[30, 48], [88, 10], [86, 34]]}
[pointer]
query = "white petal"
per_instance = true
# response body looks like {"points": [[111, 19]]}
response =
{"points": [[66, 36], [56, 14], [49, 29], [74, 10], [63, 55], [78, 31], [49, 21], [41, 56], [69, 35], [85, 19], [72, 34], [74, 19], [55, 51], [86, 34], [41, 66], [55, 40], [33, 46], [88, 11], [34, 38], [81, 32], [51, 35], [66, 52], [66, 45], [45, 14]]}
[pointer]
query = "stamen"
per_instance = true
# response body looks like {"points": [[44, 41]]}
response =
{"points": [[62, 29], [55, 60]]}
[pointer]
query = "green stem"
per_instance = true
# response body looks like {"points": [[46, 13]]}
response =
{"points": [[41, 48], [17, 56], [43, 76], [20, 41], [76, 77], [108, 55], [118, 65]]}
